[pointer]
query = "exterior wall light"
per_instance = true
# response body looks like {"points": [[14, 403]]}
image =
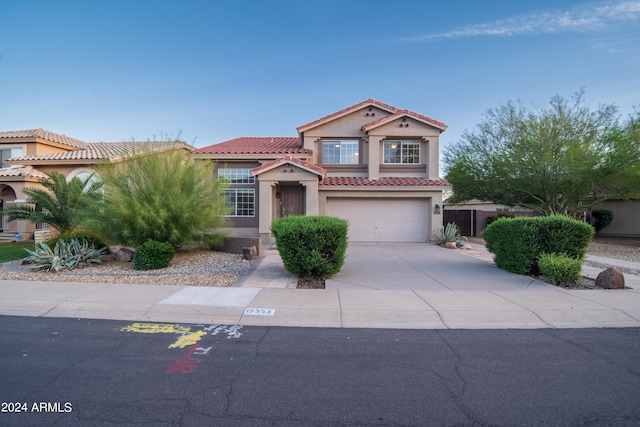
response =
{"points": [[436, 209]]}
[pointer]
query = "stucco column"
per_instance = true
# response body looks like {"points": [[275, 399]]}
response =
{"points": [[266, 207], [311, 197], [433, 165], [374, 157]]}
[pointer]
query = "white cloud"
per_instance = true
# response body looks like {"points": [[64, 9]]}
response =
{"points": [[587, 17]]}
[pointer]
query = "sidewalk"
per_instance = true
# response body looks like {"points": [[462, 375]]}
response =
{"points": [[266, 295]]}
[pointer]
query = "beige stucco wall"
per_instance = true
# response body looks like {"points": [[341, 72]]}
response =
{"points": [[626, 219]]}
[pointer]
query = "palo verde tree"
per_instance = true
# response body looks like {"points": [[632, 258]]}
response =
{"points": [[163, 195], [561, 159], [60, 203]]}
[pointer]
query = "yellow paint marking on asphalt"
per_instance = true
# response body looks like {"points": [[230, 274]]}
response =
{"points": [[187, 338], [156, 328]]}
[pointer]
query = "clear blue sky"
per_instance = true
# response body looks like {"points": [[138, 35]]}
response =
{"points": [[114, 70]]}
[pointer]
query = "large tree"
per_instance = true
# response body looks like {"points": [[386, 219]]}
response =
{"points": [[161, 195], [561, 159], [59, 203]]}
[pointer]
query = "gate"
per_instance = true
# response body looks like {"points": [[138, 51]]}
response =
{"points": [[464, 219]]}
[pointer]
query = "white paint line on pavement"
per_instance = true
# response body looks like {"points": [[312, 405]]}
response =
{"points": [[212, 297]]}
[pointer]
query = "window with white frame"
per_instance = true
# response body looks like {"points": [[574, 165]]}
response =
{"points": [[402, 152], [236, 175], [240, 202], [10, 153], [340, 151]]}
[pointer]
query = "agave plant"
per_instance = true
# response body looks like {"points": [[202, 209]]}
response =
{"points": [[450, 233], [66, 255]]}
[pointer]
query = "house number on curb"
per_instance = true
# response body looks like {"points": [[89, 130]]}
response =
{"points": [[187, 338], [259, 311]]}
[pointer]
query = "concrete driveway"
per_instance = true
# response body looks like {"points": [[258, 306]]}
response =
{"points": [[420, 266]]}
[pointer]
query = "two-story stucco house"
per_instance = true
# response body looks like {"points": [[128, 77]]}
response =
{"points": [[373, 164]]}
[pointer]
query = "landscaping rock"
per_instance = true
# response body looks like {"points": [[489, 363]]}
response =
{"points": [[611, 278], [122, 254], [451, 245]]}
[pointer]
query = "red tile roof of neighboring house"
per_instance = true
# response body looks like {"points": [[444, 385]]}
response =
{"points": [[46, 135], [344, 112], [383, 182], [288, 159], [102, 151], [399, 114], [257, 145], [21, 171]]}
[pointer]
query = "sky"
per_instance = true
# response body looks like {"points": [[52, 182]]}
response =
{"points": [[207, 71]]}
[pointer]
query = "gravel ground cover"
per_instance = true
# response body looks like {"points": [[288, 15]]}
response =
{"points": [[193, 268]]}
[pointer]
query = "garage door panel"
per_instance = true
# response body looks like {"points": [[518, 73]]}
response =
{"points": [[382, 220]]}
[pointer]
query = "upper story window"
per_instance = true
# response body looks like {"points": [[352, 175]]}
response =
{"points": [[10, 153], [340, 151], [236, 175], [402, 152]]}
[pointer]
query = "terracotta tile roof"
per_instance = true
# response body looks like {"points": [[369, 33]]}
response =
{"points": [[102, 151], [383, 182], [21, 171], [404, 113], [344, 112], [46, 135], [288, 159], [257, 145]]}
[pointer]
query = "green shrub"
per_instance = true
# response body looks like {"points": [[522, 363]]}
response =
{"points": [[561, 234], [66, 255], [152, 255], [601, 219], [311, 246], [514, 242], [517, 243], [560, 268], [213, 242]]}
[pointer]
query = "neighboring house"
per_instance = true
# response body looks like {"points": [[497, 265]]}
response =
{"points": [[373, 164], [471, 217], [28, 154]]}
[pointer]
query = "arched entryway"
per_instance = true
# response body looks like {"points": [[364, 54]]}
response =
{"points": [[7, 196]]}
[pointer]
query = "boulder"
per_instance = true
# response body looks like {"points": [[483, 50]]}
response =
{"points": [[123, 254], [611, 278], [451, 245]]}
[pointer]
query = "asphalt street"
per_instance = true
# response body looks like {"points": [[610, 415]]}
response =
{"points": [[77, 372]]}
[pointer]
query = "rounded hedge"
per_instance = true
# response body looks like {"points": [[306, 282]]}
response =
{"points": [[517, 243], [311, 246], [152, 255]]}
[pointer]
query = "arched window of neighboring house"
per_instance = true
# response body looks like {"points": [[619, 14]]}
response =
{"points": [[83, 174]]}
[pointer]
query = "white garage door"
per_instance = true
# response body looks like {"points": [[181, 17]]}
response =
{"points": [[382, 220]]}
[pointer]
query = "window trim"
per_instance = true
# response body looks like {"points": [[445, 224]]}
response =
{"points": [[355, 155], [402, 142], [11, 147], [231, 174], [252, 208]]}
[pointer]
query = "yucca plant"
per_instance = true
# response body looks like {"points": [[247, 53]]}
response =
{"points": [[66, 255], [448, 234]]}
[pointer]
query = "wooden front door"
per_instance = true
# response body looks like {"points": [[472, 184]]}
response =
{"points": [[292, 201]]}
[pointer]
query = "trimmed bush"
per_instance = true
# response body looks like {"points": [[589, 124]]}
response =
{"points": [[311, 246], [601, 219], [514, 242], [152, 255], [517, 243], [560, 268]]}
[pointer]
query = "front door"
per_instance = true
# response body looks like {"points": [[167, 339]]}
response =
{"points": [[292, 201]]}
